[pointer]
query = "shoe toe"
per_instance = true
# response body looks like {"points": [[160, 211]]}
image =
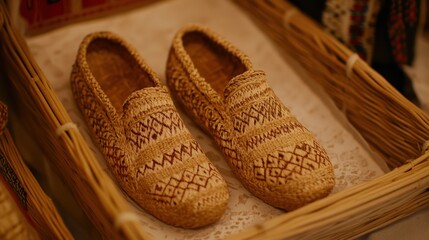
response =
{"points": [[292, 176], [303, 189], [204, 208], [192, 198]]}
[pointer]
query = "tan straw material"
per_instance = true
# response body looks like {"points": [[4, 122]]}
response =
{"points": [[380, 113], [148, 148], [393, 126], [273, 155], [33, 201], [93, 188], [13, 224]]}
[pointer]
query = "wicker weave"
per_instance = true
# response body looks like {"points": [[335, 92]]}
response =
{"points": [[34, 203], [393, 126], [97, 194], [145, 142], [380, 113], [274, 156], [13, 224]]}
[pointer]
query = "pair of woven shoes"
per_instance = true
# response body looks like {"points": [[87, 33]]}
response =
{"points": [[152, 154]]}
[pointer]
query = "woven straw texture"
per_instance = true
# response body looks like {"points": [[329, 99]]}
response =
{"points": [[393, 126], [145, 142], [13, 224], [352, 162], [397, 130], [38, 207], [273, 155], [97, 194]]}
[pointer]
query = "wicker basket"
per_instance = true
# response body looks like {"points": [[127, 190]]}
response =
{"points": [[98, 195], [393, 127], [33, 202]]}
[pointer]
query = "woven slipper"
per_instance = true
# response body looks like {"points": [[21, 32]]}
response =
{"points": [[149, 150], [274, 156]]}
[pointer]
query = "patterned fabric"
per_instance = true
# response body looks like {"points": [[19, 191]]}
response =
{"points": [[352, 22], [42, 15], [274, 156], [402, 25], [3, 116], [381, 32], [148, 148]]}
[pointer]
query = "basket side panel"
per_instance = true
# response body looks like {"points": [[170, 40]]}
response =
{"points": [[95, 191]]}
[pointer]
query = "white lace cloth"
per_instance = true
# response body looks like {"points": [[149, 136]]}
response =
{"points": [[151, 30]]}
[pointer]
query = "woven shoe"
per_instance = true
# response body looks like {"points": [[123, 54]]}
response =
{"points": [[274, 156], [149, 150]]}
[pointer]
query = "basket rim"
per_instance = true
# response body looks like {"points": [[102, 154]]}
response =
{"points": [[393, 181]]}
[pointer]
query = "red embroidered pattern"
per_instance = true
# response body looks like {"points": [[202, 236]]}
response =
{"points": [[401, 15], [357, 26]]}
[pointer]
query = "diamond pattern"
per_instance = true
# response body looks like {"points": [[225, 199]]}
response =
{"points": [[177, 187], [154, 127], [257, 114], [101, 128], [177, 155], [298, 159]]}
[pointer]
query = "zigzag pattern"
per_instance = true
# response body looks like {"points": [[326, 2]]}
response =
{"points": [[299, 159], [100, 126], [284, 128], [240, 111], [242, 92], [179, 154], [177, 187], [204, 114], [146, 145], [257, 114], [288, 162], [154, 127]]}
